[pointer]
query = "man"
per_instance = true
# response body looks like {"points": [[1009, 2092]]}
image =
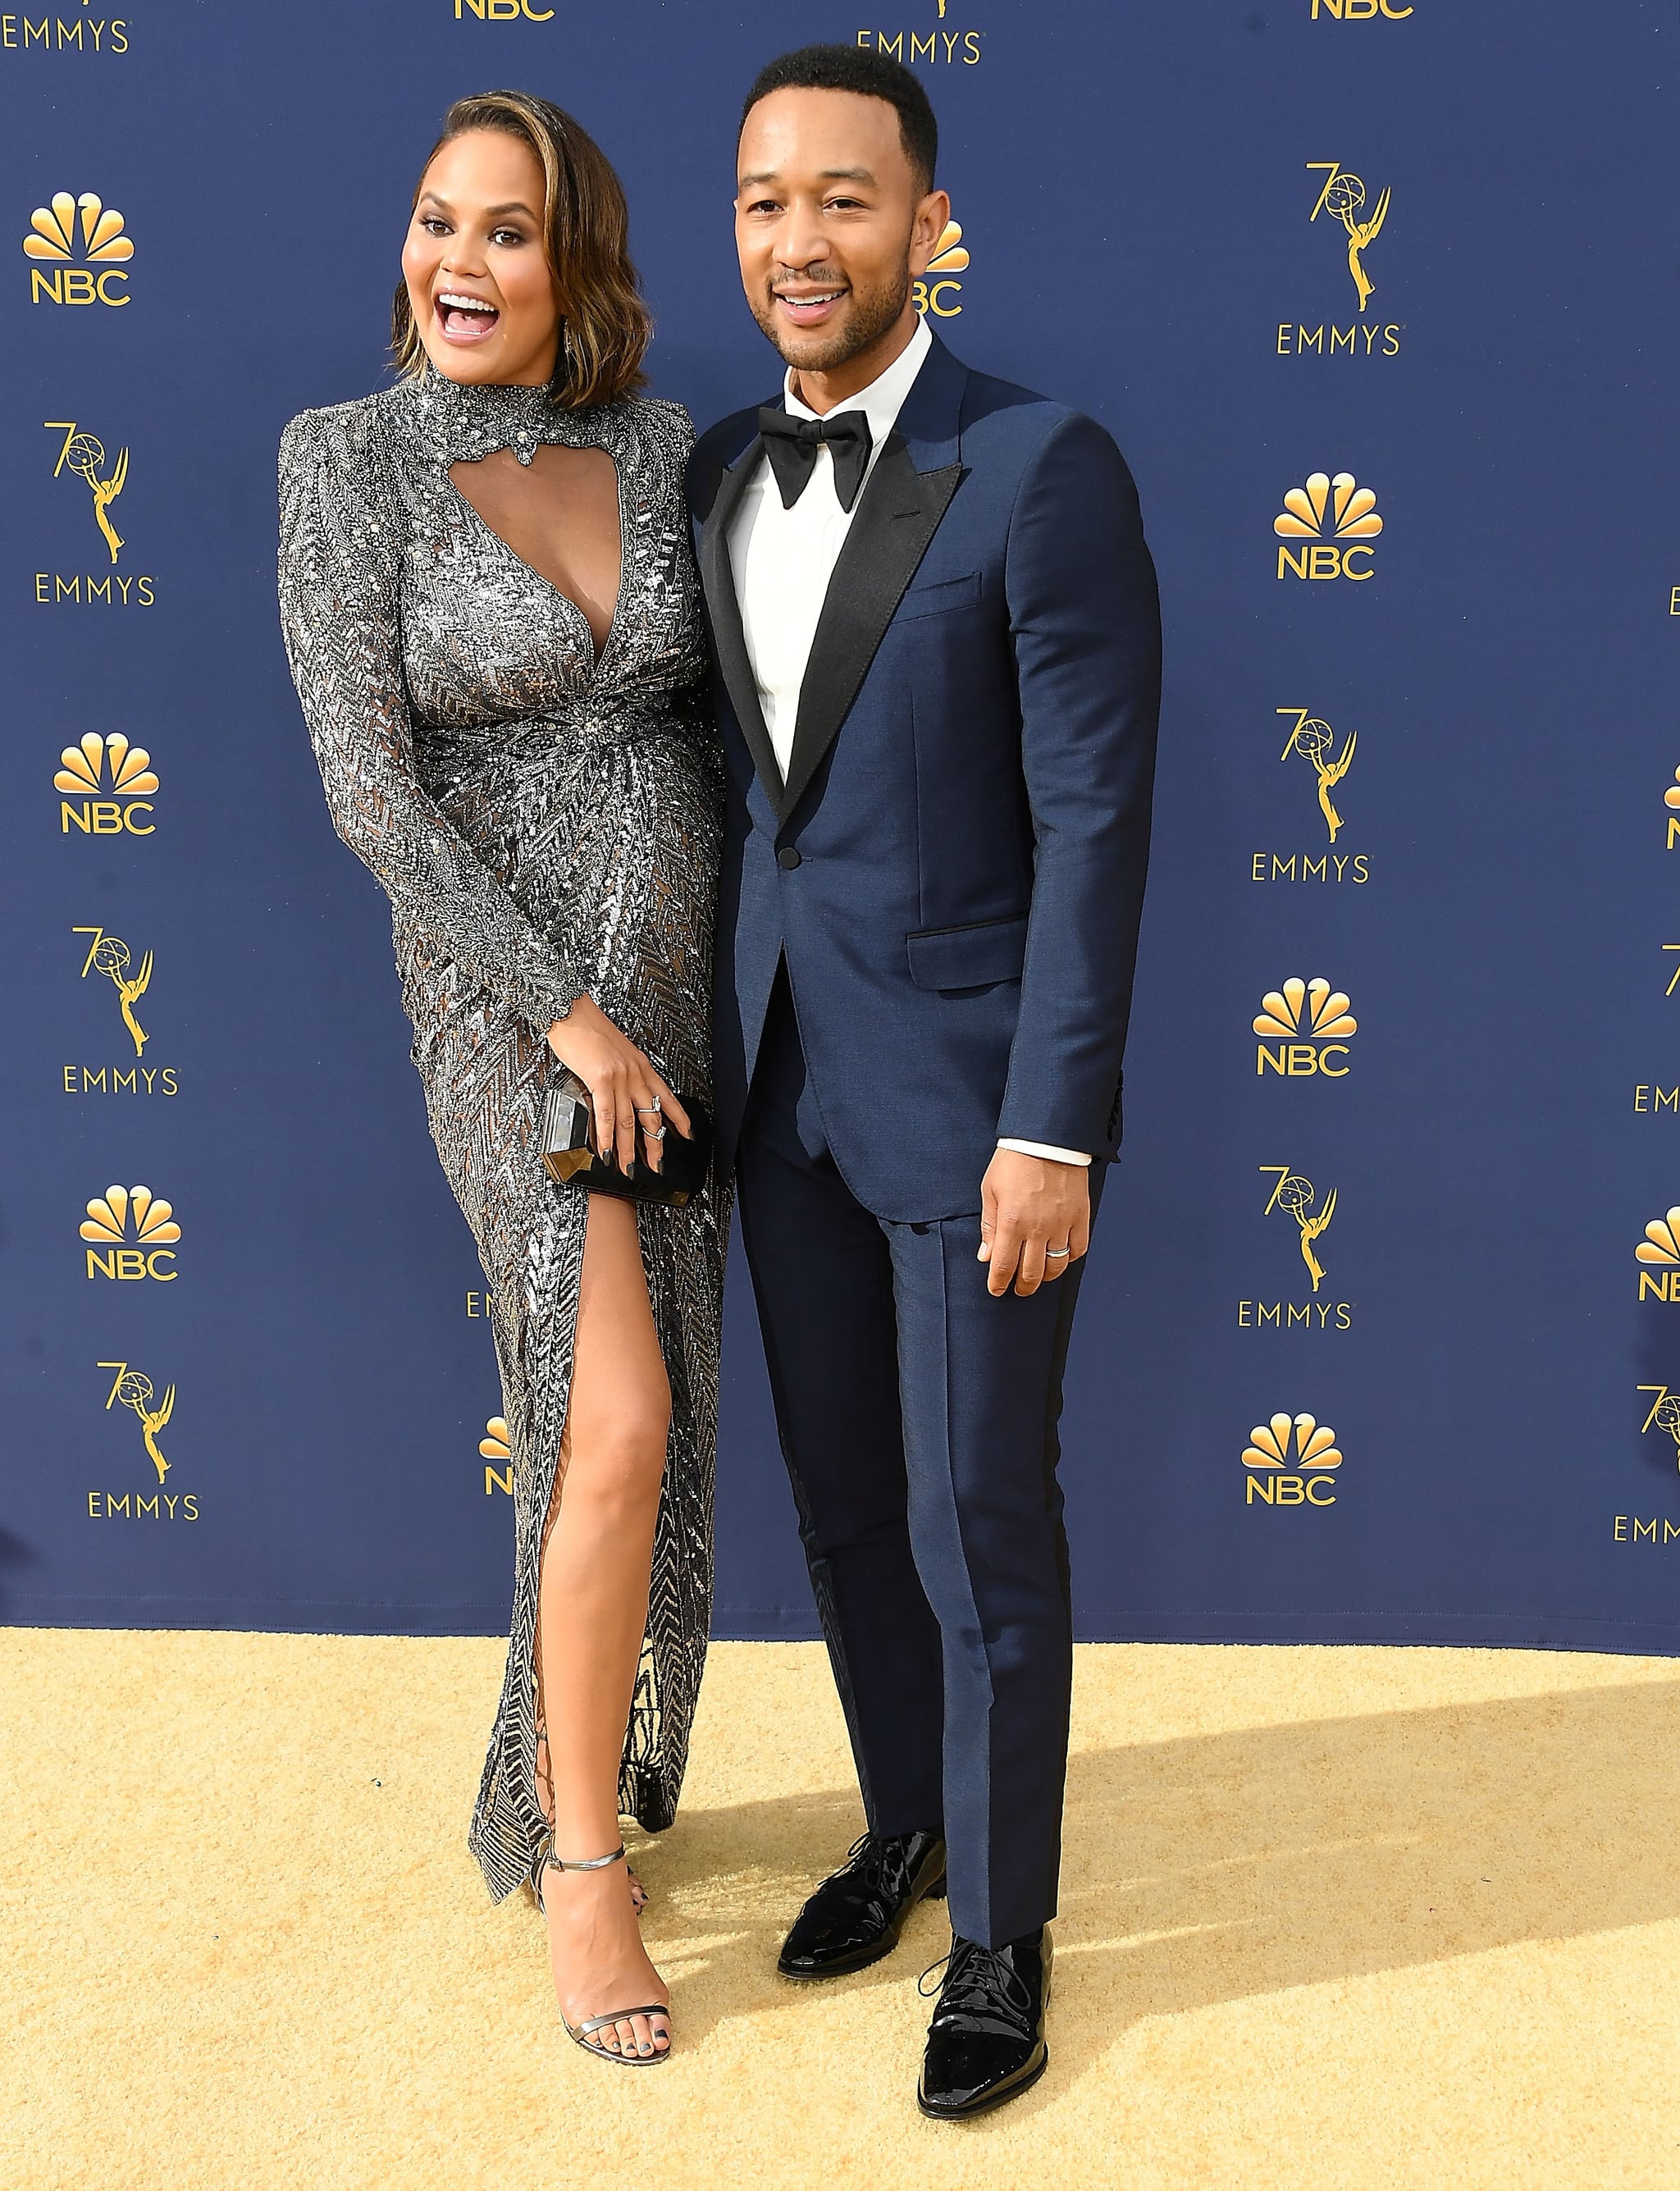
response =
{"points": [[938, 649]]}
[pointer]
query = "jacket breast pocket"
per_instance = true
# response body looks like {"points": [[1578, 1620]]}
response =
{"points": [[970, 957], [948, 593]]}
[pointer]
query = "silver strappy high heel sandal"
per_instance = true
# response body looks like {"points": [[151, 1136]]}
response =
{"points": [[583, 2035]]}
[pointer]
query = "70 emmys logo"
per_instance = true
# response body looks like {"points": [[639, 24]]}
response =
{"points": [[1296, 1194], [1310, 1017], [1314, 740], [135, 1389], [1343, 197], [1663, 1413], [1309, 514], [110, 955], [56, 236]]}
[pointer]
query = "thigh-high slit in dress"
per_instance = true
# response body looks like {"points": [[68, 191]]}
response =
{"points": [[546, 824]]}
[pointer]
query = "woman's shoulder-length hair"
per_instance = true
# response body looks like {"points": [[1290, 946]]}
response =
{"points": [[586, 235]]}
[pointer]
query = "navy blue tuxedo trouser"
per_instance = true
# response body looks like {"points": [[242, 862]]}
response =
{"points": [[918, 1418]]}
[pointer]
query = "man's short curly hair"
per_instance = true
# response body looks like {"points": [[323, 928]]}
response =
{"points": [[872, 75]]}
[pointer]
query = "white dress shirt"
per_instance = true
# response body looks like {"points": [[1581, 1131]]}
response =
{"points": [[783, 560]]}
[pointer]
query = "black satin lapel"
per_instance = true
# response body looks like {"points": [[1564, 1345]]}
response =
{"points": [[728, 635], [897, 518]]}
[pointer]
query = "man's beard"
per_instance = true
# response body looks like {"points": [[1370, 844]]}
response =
{"points": [[873, 312]]}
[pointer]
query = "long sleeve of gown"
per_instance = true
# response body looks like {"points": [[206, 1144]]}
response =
{"points": [[340, 558]]}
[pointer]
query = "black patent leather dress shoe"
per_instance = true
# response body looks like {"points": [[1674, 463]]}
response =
{"points": [[985, 2042], [857, 1915]]}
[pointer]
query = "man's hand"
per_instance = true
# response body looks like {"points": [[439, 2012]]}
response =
{"points": [[1029, 1207]]}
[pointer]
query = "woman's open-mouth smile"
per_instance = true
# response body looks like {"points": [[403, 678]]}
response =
{"points": [[463, 318]]}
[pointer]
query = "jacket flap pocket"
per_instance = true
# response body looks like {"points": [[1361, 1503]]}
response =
{"points": [[968, 958], [948, 593]]}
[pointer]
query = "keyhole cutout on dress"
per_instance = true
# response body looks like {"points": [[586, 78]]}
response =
{"points": [[560, 516]]}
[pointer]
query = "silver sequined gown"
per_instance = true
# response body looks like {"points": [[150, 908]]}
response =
{"points": [[544, 825]]}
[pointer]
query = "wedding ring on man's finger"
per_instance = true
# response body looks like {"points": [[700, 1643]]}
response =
{"points": [[1057, 1255]]}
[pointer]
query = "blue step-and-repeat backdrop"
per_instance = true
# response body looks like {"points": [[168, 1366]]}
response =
{"points": [[1381, 1339]]}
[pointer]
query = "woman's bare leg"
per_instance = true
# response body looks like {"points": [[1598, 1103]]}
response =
{"points": [[591, 1615]]}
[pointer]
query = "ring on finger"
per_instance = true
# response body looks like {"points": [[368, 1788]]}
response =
{"points": [[655, 1106], [654, 1133], [1057, 1255]]}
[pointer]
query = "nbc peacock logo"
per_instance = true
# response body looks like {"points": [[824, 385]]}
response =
{"points": [[936, 292], [1323, 516], [1304, 1029], [1290, 1460], [1658, 1255], [496, 1450], [79, 252], [132, 1234], [105, 786]]}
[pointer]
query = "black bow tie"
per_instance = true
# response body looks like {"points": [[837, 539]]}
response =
{"points": [[791, 445]]}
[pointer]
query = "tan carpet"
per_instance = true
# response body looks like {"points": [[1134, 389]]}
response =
{"points": [[1332, 1918]]}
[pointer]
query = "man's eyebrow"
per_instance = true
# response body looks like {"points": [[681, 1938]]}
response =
{"points": [[827, 175]]}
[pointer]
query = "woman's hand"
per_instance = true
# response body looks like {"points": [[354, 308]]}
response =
{"points": [[627, 1094]]}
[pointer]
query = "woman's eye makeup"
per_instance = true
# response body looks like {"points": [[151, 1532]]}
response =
{"points": [[508, 238]]}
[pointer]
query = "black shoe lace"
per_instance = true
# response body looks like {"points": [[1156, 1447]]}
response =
{"points": [[977, 1982]]}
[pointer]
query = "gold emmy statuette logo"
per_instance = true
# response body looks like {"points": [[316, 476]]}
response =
{"points": [[57, 237], [950, 256], [1310, 1020], [135, 1389], [110, 955], [122, 772], [1315, 742], [125, 1215], [1294, 1196], [1342, 198], [1663, 1415], [1310, 513], [496, 1449], [1671, 799], [1291, 1457], [82, 454]]}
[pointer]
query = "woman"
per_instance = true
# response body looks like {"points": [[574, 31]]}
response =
{"points": [[490, 609]]}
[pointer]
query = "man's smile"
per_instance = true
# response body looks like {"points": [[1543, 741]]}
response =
{"points": [[810, 308]]}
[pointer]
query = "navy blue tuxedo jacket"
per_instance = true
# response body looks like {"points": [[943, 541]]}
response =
{"points": [[953, 869]]}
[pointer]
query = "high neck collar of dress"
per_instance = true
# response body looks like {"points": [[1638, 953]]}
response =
{"points": [[471, 420]]}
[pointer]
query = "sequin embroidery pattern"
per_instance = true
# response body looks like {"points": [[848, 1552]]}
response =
{"points": [[544, 823]]}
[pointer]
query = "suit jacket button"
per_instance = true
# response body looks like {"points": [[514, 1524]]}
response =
{"points": [[790, 856]]}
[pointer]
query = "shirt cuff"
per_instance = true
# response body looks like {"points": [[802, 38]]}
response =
{"points": [[1042, 1149]]}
